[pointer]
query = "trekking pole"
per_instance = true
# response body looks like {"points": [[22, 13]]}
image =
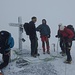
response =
{"points": [[57, 45], [58, 38]]}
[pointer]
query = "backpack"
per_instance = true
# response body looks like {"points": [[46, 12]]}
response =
{"points": [[4, 35], [73, 30], [26, 28]]}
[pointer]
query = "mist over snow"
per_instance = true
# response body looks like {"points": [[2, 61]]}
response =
{"points": [[54, 11]]}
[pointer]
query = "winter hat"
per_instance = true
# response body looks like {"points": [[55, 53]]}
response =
{"points": [[60, 24], [33, 17], [62, 27]]}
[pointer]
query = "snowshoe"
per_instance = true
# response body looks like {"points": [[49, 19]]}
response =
{"points": [[61, 52]]}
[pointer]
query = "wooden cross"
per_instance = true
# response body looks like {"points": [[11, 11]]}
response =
{"points": [[20, 25]]}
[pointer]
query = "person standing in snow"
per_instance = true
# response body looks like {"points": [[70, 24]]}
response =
{"points": [[45, 34], [62, 45], [67, 36], [33, 37], [6, 43]]}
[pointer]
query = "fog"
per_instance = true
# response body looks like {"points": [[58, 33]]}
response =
{"points": [[54, 11]]}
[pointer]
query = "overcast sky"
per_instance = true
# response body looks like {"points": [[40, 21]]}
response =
{"points": [[55, 11]]}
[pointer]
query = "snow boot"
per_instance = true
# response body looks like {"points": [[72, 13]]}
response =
{"points": [[43, 52], [34, 56], [37, 54], [63, 54], [67, 62], [48, 52]]}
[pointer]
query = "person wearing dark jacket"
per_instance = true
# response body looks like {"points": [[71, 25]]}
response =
{"points": [[67, 36], [6, 43], [62, 45], [33, 37], [45, 34]]}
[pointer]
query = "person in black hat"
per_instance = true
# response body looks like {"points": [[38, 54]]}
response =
{"points": [[33, 37]]}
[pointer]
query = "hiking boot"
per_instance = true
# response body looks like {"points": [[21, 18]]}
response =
{"points": [[63, 54], [67, 62], [37, 54], [43, 52], [48, 52], [33, 56]]}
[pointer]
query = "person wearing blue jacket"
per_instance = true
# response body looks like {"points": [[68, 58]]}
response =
{"points": [[45, 32], [6, 43]]}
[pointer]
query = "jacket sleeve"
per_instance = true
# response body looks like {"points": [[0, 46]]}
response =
{"points": [[11, 42], [59, 34], [38, 28], [49, 30]]}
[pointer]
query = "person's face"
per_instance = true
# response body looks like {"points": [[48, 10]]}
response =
{"points": [[34, 20], [43, 22]]}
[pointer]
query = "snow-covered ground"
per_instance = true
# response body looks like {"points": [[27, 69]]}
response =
{"points": [[43, 65]]}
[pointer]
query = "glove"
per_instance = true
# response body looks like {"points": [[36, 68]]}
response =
{"points": [[48, 36], [36, 38], [56, 36], [23, 40]]}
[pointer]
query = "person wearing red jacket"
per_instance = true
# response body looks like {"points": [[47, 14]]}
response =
{"points": [[67, 36], [61, 42]]}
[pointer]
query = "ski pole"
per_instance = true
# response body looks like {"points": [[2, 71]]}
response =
{"points": [[57, 45]]}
